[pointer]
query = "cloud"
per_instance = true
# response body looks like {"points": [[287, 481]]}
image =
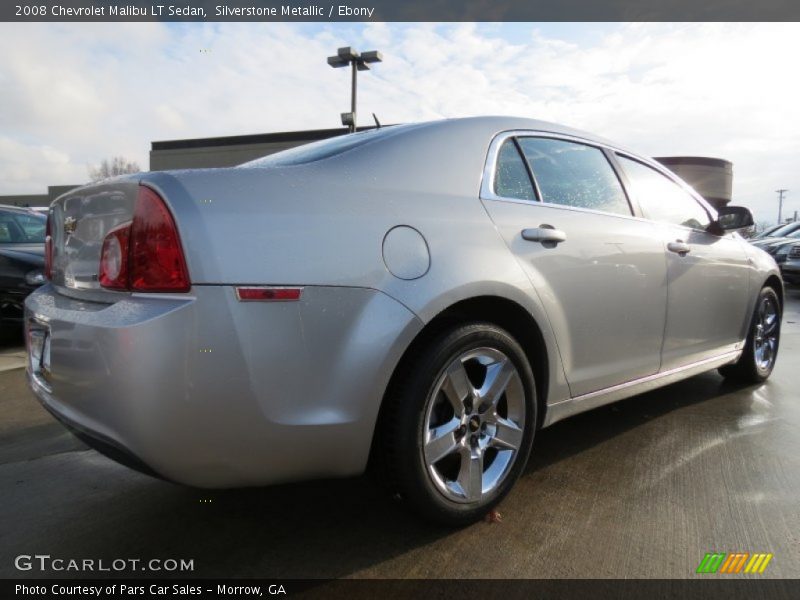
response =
{"points": [[75, 94], [26, 168]]}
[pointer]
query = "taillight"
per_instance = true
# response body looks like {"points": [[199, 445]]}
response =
{"points": [[48, 248], [145, 255], [157, 263], [114, 258]]}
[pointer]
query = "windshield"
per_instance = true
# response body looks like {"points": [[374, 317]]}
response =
{"points": [[21, 228], [785, 230], [322, 149]]}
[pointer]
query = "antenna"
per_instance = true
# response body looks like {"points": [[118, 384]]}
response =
{"points": [[377, 123]]}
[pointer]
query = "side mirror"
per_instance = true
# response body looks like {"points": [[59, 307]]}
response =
{"points": [[734, 218]]}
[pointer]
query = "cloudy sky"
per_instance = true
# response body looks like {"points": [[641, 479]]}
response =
{"points": [[73, 94]]}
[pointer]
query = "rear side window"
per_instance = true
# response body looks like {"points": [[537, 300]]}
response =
{"points": [[661, 199], [574, 174], [511, 178]]}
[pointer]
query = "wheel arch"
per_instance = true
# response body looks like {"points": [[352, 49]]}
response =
{"points": [[500, 311], [776, 283]]}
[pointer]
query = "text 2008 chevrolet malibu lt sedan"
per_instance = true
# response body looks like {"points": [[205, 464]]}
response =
{"points": [[421, 298]]}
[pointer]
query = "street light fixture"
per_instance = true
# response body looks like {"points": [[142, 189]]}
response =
{"points": [[358, 61]]}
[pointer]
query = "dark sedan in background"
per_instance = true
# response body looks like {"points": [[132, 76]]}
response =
{"points": [[780, 244], [22, 233], [777, 231], [790, 268]]}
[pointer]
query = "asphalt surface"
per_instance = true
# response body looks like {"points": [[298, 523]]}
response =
{"points": [[640, 489]]}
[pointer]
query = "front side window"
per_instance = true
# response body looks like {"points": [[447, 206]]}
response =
{"points": [[574, 174], [661, 199], [511, 178]]}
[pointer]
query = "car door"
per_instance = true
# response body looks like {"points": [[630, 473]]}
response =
{"points": [[708, 274], [598, 271]]}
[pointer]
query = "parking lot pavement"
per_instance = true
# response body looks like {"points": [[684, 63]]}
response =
{"points": [[643, 488]]}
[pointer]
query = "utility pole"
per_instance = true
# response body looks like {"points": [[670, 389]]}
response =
{"points": [[780, 203], [358, 61]]}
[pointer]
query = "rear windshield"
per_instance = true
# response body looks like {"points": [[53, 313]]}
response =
{"points": [[21, 228], [322, 149]]}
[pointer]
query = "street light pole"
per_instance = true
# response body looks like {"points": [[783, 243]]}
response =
{"points": [[358, 61], [353, 92], [780, 203]]}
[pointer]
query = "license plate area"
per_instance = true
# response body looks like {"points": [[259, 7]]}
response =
{"points": [[38, 341]]}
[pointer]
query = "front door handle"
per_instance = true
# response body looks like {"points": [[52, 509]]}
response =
{"points": [[679, 247], [544, 234]]}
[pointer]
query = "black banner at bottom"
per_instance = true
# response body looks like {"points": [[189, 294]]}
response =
{"points": [[775, 589]]}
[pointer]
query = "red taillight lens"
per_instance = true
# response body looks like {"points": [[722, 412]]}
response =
{"points": [[146, 255], [114, 258], [48, 248], [157, 263]]}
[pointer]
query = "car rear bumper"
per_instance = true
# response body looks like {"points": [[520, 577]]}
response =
{"points": [[208, 391]]}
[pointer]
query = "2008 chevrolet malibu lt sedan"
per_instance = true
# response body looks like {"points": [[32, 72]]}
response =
{"points": [[418, 298]]}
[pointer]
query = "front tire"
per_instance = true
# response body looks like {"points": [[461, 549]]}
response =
{"points": [[761, 349], [460, 423]]}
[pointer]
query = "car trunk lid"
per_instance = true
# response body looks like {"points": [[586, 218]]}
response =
{"points": [[80, 221]]}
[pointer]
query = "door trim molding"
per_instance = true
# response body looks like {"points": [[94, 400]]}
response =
{"points": [[578, 404]]}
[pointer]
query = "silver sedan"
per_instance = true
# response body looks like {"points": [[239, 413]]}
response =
{"points": [[419, 299]]}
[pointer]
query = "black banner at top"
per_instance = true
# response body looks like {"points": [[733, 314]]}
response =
{"points": [[399, 10]]}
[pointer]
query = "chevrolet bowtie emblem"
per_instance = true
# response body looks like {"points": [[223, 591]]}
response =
{"points": [[70, 225]]}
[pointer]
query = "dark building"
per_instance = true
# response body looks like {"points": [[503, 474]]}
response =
{"points": [[711, 177], [230, 151], [53, 192]]}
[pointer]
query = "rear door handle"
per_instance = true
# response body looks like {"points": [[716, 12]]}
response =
{"points": [[679, 247], [544, 233]]}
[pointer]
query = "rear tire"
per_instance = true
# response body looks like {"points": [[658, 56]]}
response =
{"points": [[459, 424], [761, 349]]}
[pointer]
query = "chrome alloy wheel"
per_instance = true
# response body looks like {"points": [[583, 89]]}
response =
{"points": [[473, 426], [765, 343]]}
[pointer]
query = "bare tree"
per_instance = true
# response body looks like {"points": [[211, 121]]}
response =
{"points": [[117, 165]]}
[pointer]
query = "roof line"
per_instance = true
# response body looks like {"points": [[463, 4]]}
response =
{"points": [[256, 138]]}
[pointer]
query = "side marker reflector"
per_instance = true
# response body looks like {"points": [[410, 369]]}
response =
{"points": [[268, 294]]}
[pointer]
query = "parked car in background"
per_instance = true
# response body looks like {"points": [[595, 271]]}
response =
{"points": [[773, 230], [420, 298], [22, 233], [780, 243], [790, 268]]}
